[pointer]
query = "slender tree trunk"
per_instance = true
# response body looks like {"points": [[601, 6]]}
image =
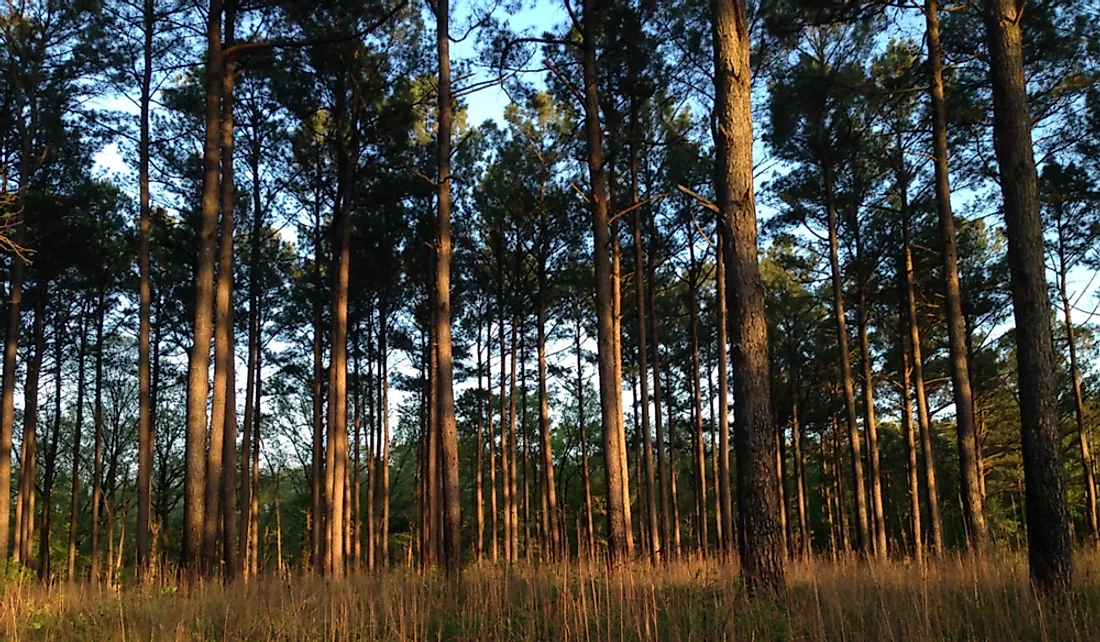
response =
{"points": [[494, 532], [254, 255], [320, 454], [479, 472], [50, 473], [505, 470], [452, 515], [513, 468], [582, 422], [1049, 546], [841, 493], [674, 495], [761, 558], [254, 508], [146, 430], [78, 425], [870, 420], [619, 536], [24, 524], [863, 541], [338, 368], [643, 368], [912, 477], [699, 456], [223, 317], [662, 453], [1079, 413], [384, 465], [199, 364], [912, 322], [526, 447], [550, 497], [797, 440], [97, 472], [725, 497], [956, 326]]}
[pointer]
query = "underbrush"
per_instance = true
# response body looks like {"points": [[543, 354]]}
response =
{"points": [[950, 600]]}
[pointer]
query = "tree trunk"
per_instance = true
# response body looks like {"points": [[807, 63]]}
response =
{"points": [[912, 322], [619, 536], [493, 514], [146, 430], [78, 425], [725, 497], [479, 472], [1049, 547], [50, 473], [863, 543], [699, 456], [797, 439], [913, 484], [319, 476], [198, 384], [1079, 414], [581, 422], [97, 472], [956, 326], [452, 516], [643, 369], [550, 497], [870, 421], [663, 490], [24, 524], [338, 367], [513, 468], [761, 558], [223, 318]]}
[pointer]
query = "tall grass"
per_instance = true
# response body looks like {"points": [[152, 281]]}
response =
{"points": [[953, 599]]}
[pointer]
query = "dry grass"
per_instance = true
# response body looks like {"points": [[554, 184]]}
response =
{"points": [[952, 600]]}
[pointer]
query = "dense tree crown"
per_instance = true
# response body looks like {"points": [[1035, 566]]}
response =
{"points": [[342, 286]]}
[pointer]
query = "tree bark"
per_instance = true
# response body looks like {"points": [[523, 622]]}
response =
{"points": [[78, 425], [761, 556], [863, 542], [550, 497], [50, 472], [619, 537], [452, 516], [146, 430], [24, 524], [643, 368], [699, 456], [97, 471], [198, 384], [956, 326], [223, 317], [725, 497], [911, 474], [1050, 551]]}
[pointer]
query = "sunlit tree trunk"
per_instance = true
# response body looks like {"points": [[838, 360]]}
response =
{"points": [[452, 516], [198, 373], [619, 535], [762, 563], [863, 541], [956, 325]]}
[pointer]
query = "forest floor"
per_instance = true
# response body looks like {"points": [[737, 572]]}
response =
{"points": [[952, 599]]}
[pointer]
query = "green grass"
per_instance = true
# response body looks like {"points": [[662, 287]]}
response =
{"points": [[951, 600]]}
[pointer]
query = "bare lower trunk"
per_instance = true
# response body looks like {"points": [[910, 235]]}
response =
{"points": [[863, 542], [762, 563], [199, 364], [1049, 544], [956, 326], [619, 535]]}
